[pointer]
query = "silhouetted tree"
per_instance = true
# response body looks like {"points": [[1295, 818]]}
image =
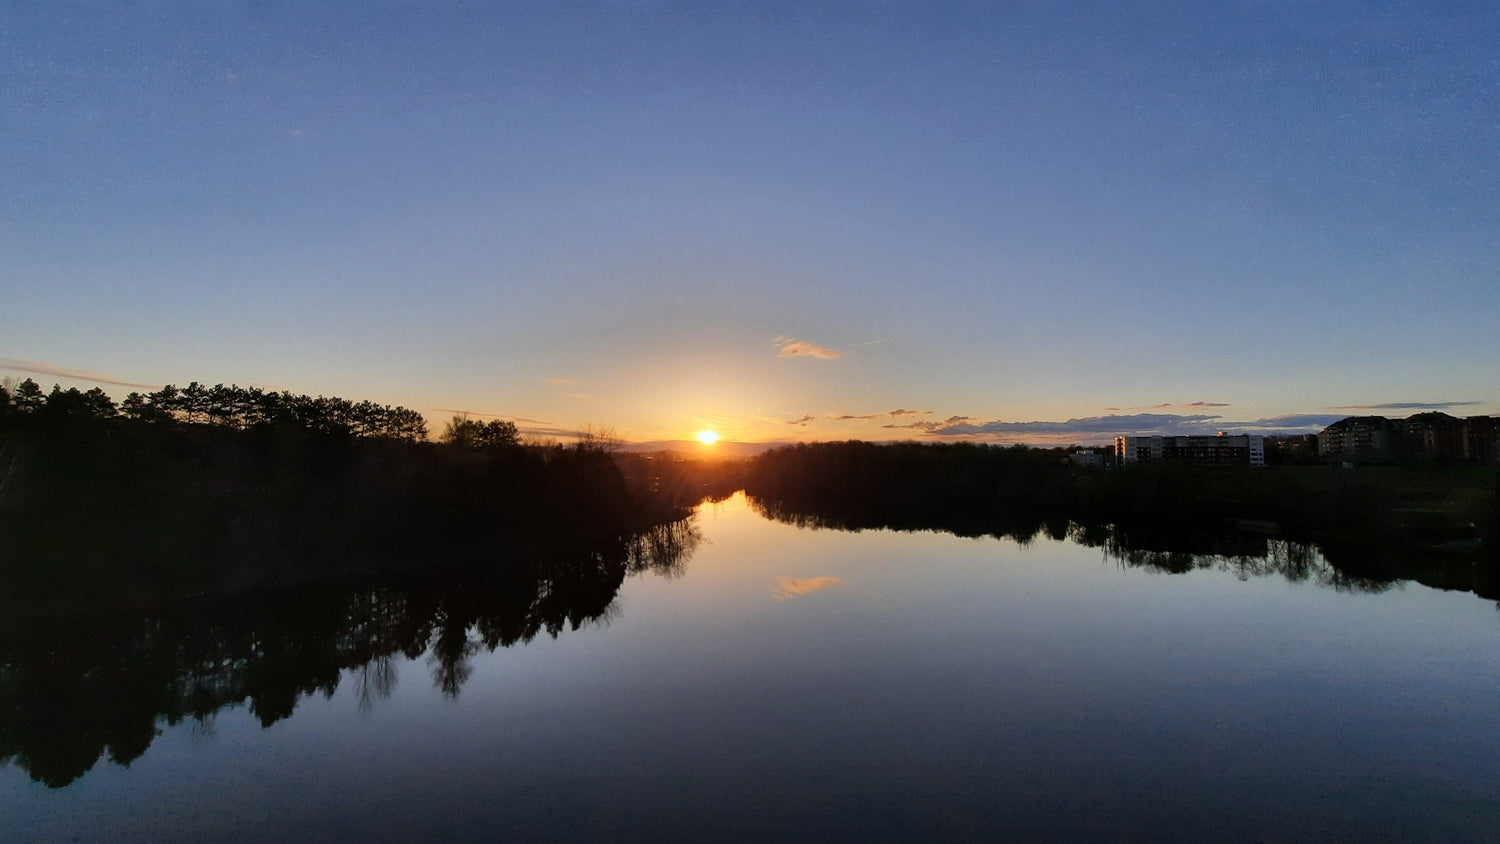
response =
{"points": [[137, 406], [195, 400], [460, 432], [72, 404], [599, 440], [498, 433], [466, 433], [28, 397], [241, 408], [99, 405]]}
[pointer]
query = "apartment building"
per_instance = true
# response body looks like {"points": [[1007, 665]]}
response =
{"points": [[1221, 450], [1423, 437]]}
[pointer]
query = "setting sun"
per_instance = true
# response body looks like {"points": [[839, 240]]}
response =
{"points": [[707, 437]]}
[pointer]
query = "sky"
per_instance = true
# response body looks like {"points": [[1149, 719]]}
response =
{"points": [[1004, 222]]}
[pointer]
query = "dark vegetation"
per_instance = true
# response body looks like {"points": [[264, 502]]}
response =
{"points": [[1436, 525], [221, 489]]}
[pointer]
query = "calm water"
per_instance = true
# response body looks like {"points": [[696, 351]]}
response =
{"points": [[786, 683]]}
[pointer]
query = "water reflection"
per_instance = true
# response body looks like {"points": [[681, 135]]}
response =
{"points": [[73, 691], [1247, 557], [1168, 547], [791, 587]]}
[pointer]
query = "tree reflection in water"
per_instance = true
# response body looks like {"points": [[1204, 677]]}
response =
{"points": [[1167, 546], [73, 691]]}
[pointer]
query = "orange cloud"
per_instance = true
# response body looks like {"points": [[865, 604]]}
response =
{"points": [[790, 348]]}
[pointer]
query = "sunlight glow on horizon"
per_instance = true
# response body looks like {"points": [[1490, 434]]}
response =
{"points": [[595, 221]]}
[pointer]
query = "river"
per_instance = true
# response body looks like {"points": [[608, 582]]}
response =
{"points": [[747, 679]]}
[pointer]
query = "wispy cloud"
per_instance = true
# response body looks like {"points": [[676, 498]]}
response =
{"points": [[790, 348], [803, 422], [1166, 405], [52, 370], [894, 414], [791, 587], [1407, 405], [560, 382], [492, 415], [566, 433]]}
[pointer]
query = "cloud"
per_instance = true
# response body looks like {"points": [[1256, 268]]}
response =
{"points": [[566, 433], [894, 414], [933, 427], [559, 382], [796, 348], [52, 370], [1111, 424], [802, 422], [1296, 420], [1406, 405], [492, 415], [1115, 424], [791, 587], [1167, 404]]}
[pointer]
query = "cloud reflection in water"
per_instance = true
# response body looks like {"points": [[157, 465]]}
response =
{"points": [[791, 587]]}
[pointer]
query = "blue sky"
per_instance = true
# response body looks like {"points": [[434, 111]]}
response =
{"points": [[760, 218]]}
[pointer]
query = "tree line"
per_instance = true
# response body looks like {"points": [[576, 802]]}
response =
{"points": [[973, 489], [219, 489], [229, 406]]}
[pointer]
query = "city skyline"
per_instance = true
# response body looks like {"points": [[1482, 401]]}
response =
{"points": [[1041, 224]]}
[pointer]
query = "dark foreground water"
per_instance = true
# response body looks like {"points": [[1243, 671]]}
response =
{"points": [[755, 680]]}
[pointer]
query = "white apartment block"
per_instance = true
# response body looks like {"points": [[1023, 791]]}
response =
{"points": [[1221, 450]]}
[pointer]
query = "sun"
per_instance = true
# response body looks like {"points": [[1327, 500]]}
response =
{"points": [[707, 437]]}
